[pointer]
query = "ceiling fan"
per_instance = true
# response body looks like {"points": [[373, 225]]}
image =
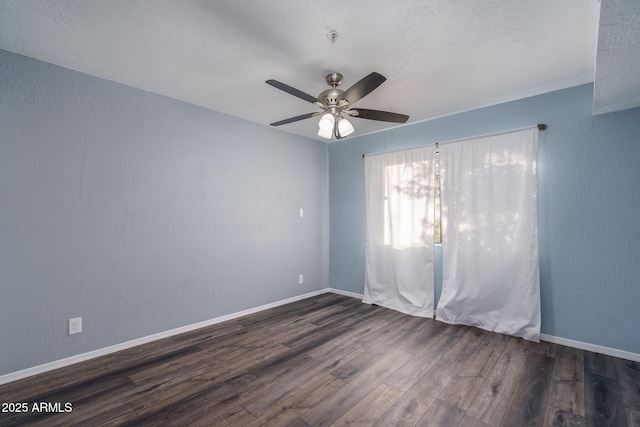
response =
{"points": [[335, 103]]}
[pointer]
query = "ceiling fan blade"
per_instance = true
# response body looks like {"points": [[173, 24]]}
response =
{"points": [[292, 91], [295, 119], [364, 87], [382, 116]]}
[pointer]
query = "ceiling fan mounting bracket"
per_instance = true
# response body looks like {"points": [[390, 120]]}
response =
{"points": [[334, 79]]}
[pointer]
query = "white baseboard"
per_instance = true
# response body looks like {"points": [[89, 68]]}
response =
{"points": [[345, 293], [591, 347], [18, 375]]}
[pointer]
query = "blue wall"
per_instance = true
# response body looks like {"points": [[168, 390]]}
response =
{"points": [[141, 214], [589, 208]]}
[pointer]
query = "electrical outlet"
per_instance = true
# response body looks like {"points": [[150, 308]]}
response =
{"points": [[301, 213], [75, 325], [300, 279]]}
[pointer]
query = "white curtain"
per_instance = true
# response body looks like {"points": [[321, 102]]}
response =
{"points": [[399, 230], [490, 234]]}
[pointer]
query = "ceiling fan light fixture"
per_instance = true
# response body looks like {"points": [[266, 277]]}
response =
{"points": [[328, 134], [345, 127], [326, 122]]}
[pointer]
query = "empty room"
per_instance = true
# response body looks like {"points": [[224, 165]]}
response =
{"points": [[308, 213]]}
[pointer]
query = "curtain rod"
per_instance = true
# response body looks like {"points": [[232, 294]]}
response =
{"points": [[540, 126]]}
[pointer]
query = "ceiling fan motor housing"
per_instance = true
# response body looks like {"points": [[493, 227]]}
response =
{"points": [[331, 97]]}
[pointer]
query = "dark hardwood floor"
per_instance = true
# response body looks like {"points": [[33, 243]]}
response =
{"points": [[331, 360]]}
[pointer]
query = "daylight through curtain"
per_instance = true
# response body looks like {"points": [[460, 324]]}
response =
{"points": [[490, 235], [399, 230]]}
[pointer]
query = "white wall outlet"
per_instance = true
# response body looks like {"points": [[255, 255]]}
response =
{"points": [[300, 279], [75, 325], [301, 212]]}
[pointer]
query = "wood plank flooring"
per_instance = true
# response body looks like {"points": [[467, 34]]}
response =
{"points": [[331, 360]]}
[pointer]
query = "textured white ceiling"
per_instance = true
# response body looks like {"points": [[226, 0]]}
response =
{"points": [[617, 77], [439, 56]]}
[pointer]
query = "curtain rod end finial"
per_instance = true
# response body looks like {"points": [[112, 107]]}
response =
{"points": [[542, 126]]}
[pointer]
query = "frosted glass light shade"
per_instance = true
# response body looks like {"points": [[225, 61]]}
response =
{"points": [[345, 127], [325, 133], [326, 122]]}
